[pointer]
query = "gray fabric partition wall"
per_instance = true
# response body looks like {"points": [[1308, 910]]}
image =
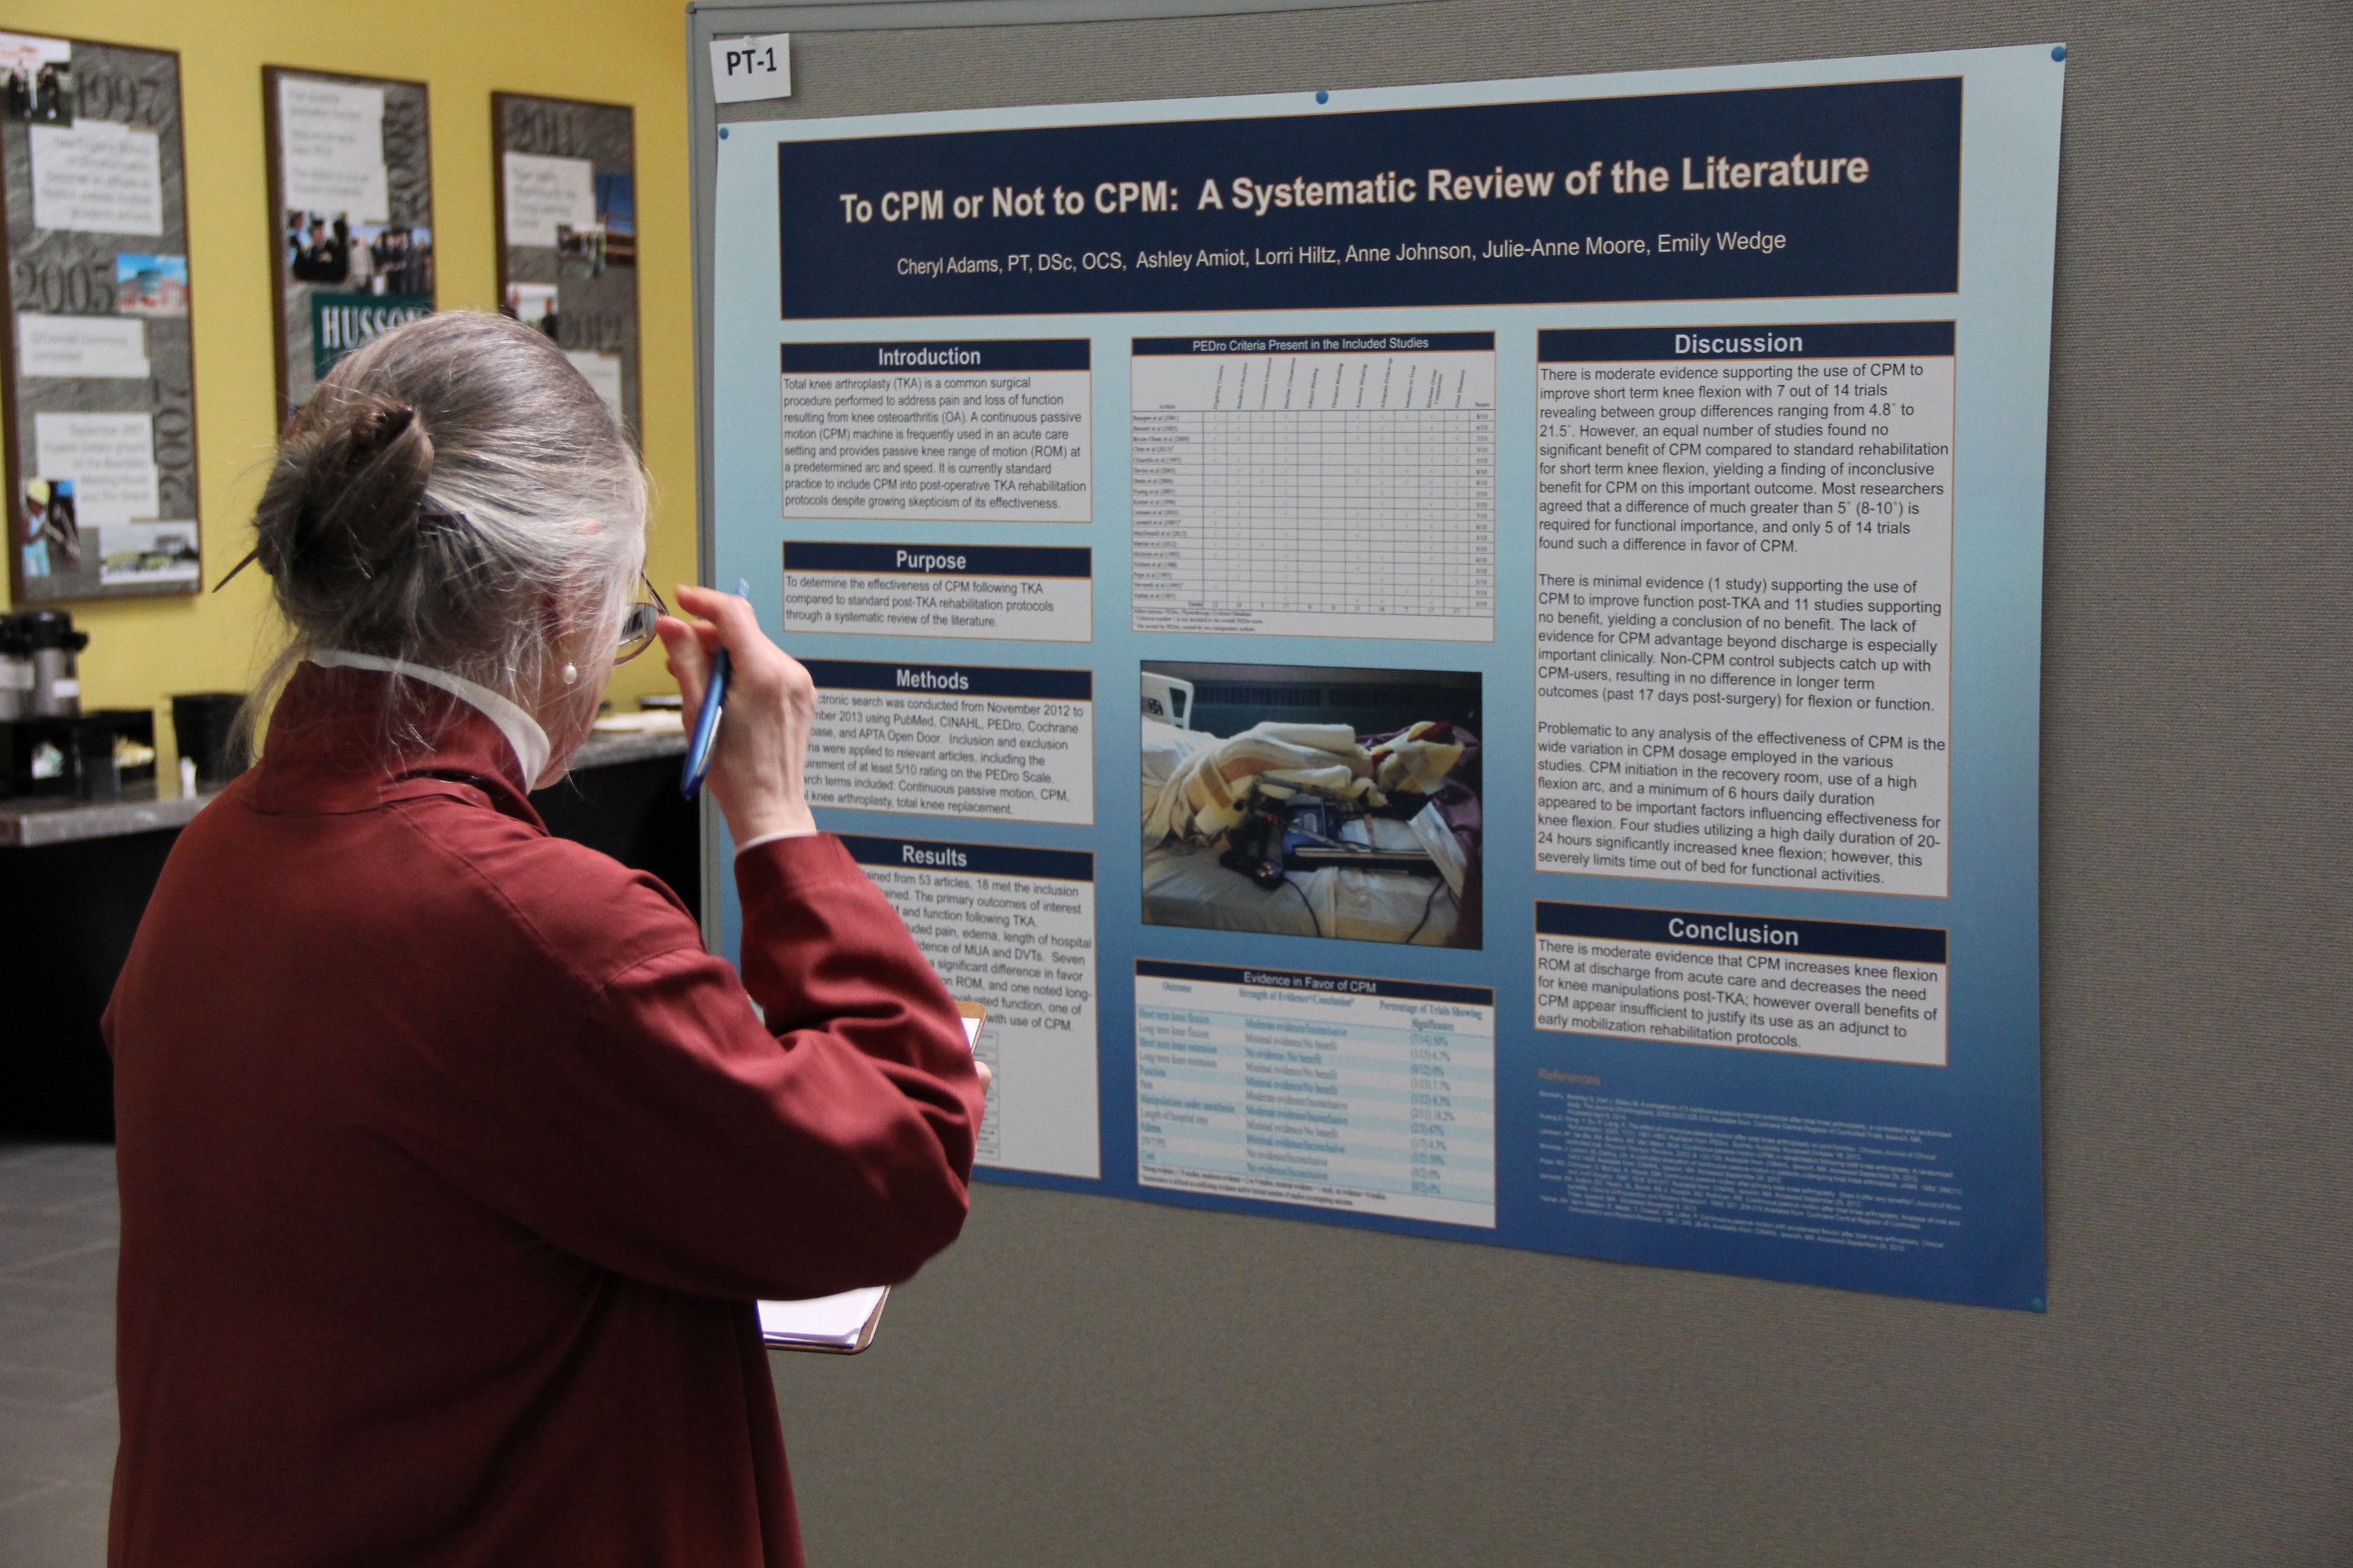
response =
{"points": [[1087, 1381]]}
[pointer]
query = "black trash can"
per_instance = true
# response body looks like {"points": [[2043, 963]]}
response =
{"points": [[205, 725]]}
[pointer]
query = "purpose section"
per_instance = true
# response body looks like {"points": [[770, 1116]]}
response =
{"points": [[1317, 486], [1013, 928], [1823, 988], [1745, 567], [1330, 1090], [1015, 593], [938, 740], [986, 431]]}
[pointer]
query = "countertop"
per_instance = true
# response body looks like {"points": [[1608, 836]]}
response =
{"points": [[33, 822]]}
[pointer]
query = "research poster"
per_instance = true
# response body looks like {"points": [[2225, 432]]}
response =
{"points": [[1461, 660]]}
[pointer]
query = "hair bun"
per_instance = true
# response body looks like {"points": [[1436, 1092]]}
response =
{"points": [[362, 465], [380, 427]]}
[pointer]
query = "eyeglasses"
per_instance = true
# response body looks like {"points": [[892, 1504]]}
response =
{"points": [[638, 625]]}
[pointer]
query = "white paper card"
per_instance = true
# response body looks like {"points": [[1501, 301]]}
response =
{"points": [[98, 177], [835, 1320], [110, 458], [744, 70], [331, 138], [542, 193], [604, 374], [110, 346]]}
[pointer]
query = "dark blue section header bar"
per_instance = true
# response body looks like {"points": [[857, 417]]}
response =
{"points": [[952, 680], [1763, 934], [1324, 984], [1842, 189], [1322, 343], [931, 358], [940, 560], [1837, 339], [979, 860]]}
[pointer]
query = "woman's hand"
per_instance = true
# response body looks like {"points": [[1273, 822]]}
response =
{"points": [[759, 758], [759, 761]]}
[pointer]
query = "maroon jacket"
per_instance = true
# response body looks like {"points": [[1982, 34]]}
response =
{"points": [[451, 1166]]}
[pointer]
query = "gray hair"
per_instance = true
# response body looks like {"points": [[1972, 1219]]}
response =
{"points": [[450, 486]]}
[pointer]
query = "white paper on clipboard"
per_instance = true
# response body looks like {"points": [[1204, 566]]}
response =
{"points": [[842, 1324]]}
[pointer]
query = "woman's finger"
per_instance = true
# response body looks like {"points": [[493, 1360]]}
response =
{"points": [[689, 659], [739, 629]]}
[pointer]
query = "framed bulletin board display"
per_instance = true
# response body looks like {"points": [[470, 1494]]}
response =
{"points": [[351, 215], [565, 173], [100, 423]]}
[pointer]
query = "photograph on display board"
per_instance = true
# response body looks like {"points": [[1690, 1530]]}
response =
{"points": [[39, 89], [359, 258], [533, 304], [151, 285], [52, 535], [150, 553], [1307, 801], [616, 215]]}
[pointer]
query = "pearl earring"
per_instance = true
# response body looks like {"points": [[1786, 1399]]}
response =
{"points": [[571, 673]]}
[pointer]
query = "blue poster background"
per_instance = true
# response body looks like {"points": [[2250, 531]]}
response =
{"points": [[1954, 223]]}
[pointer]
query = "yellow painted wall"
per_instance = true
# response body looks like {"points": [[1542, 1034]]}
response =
{"points": [[614, 51]]}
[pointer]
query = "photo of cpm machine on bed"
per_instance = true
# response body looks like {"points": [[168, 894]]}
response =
{"points": [[1307, 801]]}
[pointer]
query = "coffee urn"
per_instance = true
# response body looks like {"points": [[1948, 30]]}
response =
{"points": [[15, 669], [56, 681]]}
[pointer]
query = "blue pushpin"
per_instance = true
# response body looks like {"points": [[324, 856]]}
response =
{"points": [[1322, 97], [2058, 51]]}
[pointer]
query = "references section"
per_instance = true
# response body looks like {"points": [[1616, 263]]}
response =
{"points": [[941, 740], [1314, 486], [1743, 559], [1014, 930], [1332, 1091], [989, 431]]}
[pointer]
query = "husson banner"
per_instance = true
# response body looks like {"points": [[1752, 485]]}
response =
{"points": [[1458, 660]]}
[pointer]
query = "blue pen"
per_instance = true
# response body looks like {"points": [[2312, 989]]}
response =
{"points": [[706, 722]]}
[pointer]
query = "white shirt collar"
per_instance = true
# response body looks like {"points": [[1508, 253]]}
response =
{"points": [[522, 731]]}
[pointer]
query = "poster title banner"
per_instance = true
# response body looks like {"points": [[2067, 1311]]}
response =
{"points": [[1845, 189]]}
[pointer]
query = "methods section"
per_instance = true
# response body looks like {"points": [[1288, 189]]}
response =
{"points": [[944, 739], [1334, 1091]]}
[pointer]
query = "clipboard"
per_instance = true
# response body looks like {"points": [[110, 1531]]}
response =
{"points": [[843, 1324]]}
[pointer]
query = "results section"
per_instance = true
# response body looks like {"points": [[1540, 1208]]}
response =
{"points": [[1014, 930], [1744, 574], [1331, 1091], [1317, 486]]}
